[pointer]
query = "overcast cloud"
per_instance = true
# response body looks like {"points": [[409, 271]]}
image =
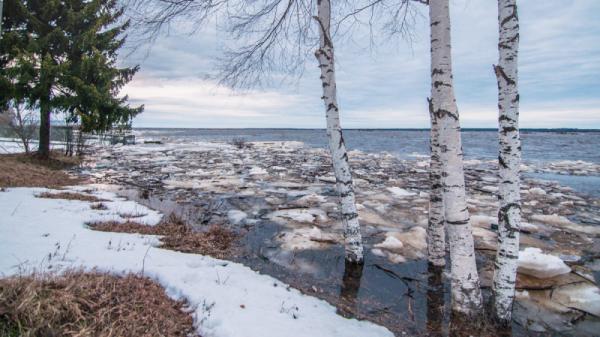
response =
{"points": [[387, 87]]}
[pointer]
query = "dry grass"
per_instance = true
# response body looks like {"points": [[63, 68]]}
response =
{"points": [[69, 196], [89, 304], [21, 170], [217, 241], [99, 206]]}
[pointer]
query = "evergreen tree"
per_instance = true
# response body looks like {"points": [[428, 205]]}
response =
{"points": [[60, 56]]}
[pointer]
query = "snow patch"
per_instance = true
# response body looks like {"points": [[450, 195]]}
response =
{"points": [[31, 228]]}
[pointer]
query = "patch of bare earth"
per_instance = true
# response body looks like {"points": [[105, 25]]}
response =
{"points": [[216, 241], [90, 304], [69, 196], [23, 170]]}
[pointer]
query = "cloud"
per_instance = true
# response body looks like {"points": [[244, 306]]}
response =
{"points": [[194, 102], [387, 86]]}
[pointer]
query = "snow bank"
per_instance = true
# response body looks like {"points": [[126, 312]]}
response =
{"points": [[229, 299], [535, 263]]}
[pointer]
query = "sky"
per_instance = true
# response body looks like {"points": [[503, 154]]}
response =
{"points": [[386, 85]]}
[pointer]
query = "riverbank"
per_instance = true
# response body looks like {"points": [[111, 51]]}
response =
{"points": [[53, 231], [280, 197]]}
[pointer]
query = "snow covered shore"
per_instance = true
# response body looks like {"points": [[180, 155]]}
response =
{"points": [[228, 298]]}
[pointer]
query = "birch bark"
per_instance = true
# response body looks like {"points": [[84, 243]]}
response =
{"points": [[466, 294], [339, 156], [436, 238], [509, 161]]}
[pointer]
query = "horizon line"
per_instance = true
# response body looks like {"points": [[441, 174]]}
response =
{"points": [[366, 129]]}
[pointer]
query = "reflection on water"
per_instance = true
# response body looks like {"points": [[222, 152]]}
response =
{"points": [[435, 300], [350, 287]]}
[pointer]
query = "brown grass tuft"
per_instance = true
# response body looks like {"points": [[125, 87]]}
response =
{"points": [[217, 241], [89, 304], [21, 170], [69, 196], [99, 206]]}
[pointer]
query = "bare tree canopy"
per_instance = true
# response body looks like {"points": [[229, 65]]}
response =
{"points": [[271, 38]]}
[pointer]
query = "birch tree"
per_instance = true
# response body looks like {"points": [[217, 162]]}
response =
{"points": [[509, 161], [466, 293], [339, 156]]}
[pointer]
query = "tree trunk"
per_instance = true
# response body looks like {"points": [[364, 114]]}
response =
{"points": [[466, 294], [509, 161], [339, 156], [44, 141], [1, 17], [436, 236]]}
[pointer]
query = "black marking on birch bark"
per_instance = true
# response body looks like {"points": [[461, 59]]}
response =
{"points": [[438, 84], [350, 216], [326, 40], [501, 74], [434, 23], [341, 143], [514, 38], [507, 129], [501, 162], [503, 215], [505, 118], [435, 199], [346, 194], [458, 222], [510, 256], [513, 15], [352, 231], [440, 113], [437, 71], [332, 106]]}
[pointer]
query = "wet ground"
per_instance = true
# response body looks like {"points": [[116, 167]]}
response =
{"points": [[281, 197]]}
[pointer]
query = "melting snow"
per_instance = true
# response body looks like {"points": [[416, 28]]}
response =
{"points": [[32, 229]]}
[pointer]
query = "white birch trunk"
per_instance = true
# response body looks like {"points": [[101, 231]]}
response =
{"points": [[339, 156], [509, 160], [466, 294], [436, 238]]}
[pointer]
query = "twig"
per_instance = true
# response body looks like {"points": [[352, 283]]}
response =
{"points": [[144, 259]]}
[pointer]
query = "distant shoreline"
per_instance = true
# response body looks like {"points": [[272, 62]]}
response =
{"points": [[382, 129]]}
